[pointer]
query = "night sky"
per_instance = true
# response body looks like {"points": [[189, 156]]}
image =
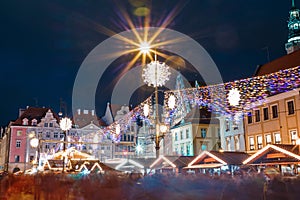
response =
{"points": [[43, 42]]}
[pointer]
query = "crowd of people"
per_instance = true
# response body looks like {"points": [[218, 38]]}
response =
{"points": [[157, 186]]}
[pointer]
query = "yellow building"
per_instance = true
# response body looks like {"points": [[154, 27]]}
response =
{"points": [[276, 121]]}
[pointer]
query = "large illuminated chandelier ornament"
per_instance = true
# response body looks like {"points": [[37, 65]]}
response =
{"points": [[156, 74]]}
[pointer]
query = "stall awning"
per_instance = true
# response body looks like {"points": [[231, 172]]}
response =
{"points": [[205, 166]]}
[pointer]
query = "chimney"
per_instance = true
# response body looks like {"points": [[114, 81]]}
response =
{"points": [[21, 111], [78, 111], [93, 112]]}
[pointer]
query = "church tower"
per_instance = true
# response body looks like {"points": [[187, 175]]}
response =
{"points": [[293, 43]]}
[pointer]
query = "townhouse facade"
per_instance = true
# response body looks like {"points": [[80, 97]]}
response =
{"points": [[232, 133], [276, 121]]}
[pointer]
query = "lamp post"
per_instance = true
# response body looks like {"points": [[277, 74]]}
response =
{"points": [[156, 74], [34, 142], [65, 125]]}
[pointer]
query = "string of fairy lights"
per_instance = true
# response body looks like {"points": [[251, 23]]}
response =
{"points": [[229, 98]]}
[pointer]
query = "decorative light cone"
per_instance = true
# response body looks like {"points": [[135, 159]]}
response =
{"points": [[156, 74]]}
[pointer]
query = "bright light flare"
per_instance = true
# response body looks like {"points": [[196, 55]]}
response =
{"points": [[144, 47], [34, 142]]}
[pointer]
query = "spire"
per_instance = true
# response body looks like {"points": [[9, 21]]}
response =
{"points": [[108, 117], [293, 43], [293, 3]]}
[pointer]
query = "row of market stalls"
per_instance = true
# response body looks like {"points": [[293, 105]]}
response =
{"points": [[284, 157]]}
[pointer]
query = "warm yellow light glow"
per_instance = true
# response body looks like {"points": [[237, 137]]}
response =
{"points": [[171, 102], [202, 155], [144, 47], [146, 110], [118, 129], [163, 128], [34, 142], [162, 158]]}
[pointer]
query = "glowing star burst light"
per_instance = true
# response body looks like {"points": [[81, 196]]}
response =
{"points": [[234, 97], [156, 74], [144, 47]]}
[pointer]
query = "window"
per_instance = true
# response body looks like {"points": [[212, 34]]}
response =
{"points": [[219, 133], [25, 122], [251, 143], [108, 148], [176, 149], [17, 158], [235, 125], [268, 139], [227, 125], [188, 149], [203, 132], [274, 111], [34, 122], [176, 136], [187, 133], [102, 147], [277, 138], [128, 138], [203, 147], [294, 136], [47, 146], [50, 124], [182, 149], [61, 135], [45, 124], [266, 113], [181, 135], [18, 143], [47, 134], [31, 158], [259, 142], [249, 118], [257, 116], [228, 144], [19, 133], [237, 142], [55, 135], [290, 105]]}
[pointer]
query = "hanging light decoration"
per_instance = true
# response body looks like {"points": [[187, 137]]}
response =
{"points": [[146, 110], [251, 92], [156, 74], [234, 97]]}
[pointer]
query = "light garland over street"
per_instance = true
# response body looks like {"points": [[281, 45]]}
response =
{"points": [[252, 91]]}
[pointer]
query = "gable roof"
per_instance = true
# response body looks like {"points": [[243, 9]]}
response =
{"points": [[287, 61], [34, 113], [173, 161], [217, 159], [78, 165], [275, 153]]}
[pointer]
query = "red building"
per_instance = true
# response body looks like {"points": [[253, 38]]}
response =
{"points": [[28, 125]]}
